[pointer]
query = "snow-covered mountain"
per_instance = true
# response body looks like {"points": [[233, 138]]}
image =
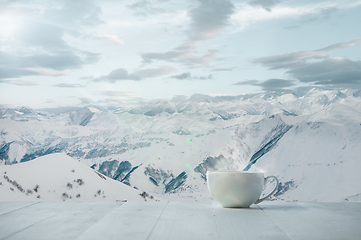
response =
{"points": [[311, 141], [57, 177]]}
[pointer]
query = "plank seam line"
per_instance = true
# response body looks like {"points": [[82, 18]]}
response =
{"points": [[214, 215], [157, 221], [28, 227], [19, 208], [42, 220], [275, 223], [96, 222]]}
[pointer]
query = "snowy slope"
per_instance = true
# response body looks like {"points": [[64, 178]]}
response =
{"points": [[310, 140], [59, 177], [316, 162]]}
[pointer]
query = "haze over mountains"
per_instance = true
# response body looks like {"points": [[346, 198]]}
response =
{"points": [[310, 141]]}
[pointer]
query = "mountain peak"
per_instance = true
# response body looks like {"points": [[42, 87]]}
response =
{"points": [[57, 177]]}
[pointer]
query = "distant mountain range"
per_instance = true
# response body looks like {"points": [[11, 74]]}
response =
{"points": [[310, 141]]}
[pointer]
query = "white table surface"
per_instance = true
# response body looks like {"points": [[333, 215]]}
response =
{"points": [[178, 220]]}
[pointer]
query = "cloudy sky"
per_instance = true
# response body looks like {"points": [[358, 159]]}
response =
{"points": [[102, 52]]}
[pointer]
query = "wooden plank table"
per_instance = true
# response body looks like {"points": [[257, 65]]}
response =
{"points": [[178, 220]]}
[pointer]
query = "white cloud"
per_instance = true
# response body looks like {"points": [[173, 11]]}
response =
{"points": [[120, 74], [266, 4], [246, 14], [210, 18], [113, 38], [113, 93], [32, 39], [22, 83], [155, 72], [45, 72], [188, 76], [186, 54], [345, 44], [273, 84], [330, 72], [68, 85]]}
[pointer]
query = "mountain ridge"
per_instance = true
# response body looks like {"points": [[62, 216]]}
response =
{"points": [[58, 177], [165, 147]]}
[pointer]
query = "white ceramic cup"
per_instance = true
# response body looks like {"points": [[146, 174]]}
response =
{"points": [[235, 189]]}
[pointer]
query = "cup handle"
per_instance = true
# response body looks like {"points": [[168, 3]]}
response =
{"points": [[273, 191]]}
